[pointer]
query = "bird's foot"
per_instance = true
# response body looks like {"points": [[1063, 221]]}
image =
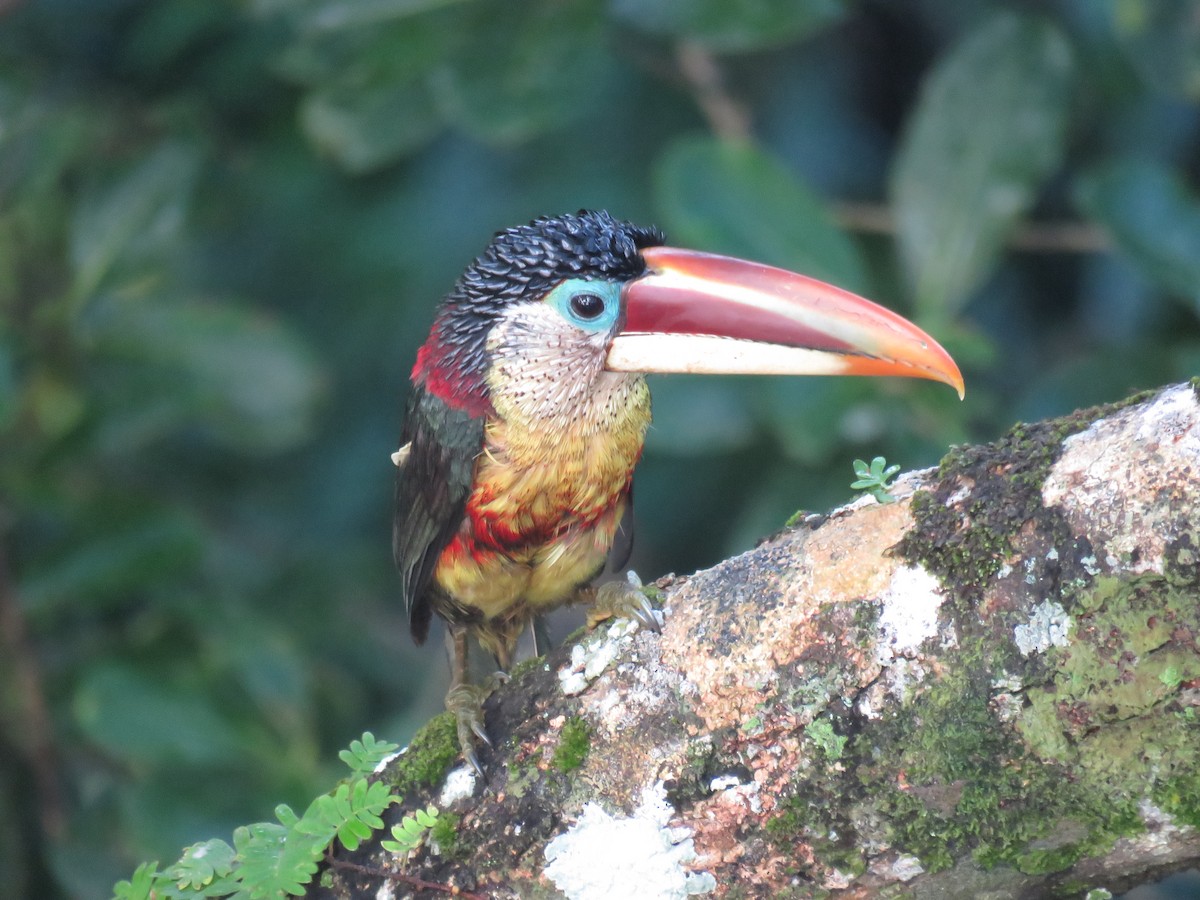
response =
{"points": [[466, 702], [626, 599]]}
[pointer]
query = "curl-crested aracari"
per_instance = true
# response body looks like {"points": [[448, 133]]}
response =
{"points": [[530, 406]]}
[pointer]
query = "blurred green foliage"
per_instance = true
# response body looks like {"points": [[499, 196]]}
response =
{"points": [[223, 227]]}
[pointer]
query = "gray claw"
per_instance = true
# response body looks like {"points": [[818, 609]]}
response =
{"points": [[626, 599], [466, 702], [478, 730], [472, 760], [644, 614]]}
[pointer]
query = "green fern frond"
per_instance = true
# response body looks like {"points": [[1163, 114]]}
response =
{"points": [[269, 860], [202, 864], [410, 832], [350, 813], [364, 756], [268, 870], [139, 886]]}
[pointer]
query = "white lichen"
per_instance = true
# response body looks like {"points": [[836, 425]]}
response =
{"points": [[910, 611], [459, 785], [603, 856], [906, 868], [387, 761], [1048, 626], [1113, 481], [592, 655]]}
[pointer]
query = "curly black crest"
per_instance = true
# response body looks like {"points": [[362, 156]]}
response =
{"points": [[530, 259], [525, 262]]}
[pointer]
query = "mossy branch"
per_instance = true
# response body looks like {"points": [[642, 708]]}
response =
{"points": [[990, 685]]}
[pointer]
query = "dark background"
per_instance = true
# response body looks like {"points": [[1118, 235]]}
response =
{"points": [[223, 228]]}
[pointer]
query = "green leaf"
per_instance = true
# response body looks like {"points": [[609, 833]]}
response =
{"points": [[364, 128], [365, 755], [132, 217], [736, 199], [244, 376], [523, 68], [286, 816], [139, 887], [371, 101], [988, 130], [268, 870], [1162, 37], [339, 15], [350, 813], [408, 834], [8, 381], [874, 478], [139, 716], [201, 864], [110, 561], [1153, 218], [731, 25]]}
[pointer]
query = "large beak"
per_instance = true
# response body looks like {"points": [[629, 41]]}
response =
{"points": [[699, 312]]}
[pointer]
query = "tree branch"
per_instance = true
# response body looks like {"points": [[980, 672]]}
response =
{"points": [[1031, 237], [726, 117], [989, 686]]}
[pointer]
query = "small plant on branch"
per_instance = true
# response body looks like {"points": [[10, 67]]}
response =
{"points": [[875, 479]]}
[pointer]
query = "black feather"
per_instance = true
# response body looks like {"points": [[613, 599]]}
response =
{"points": [[431, 493]]}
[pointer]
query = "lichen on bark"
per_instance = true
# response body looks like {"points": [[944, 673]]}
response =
{"points": [[990, 685]]}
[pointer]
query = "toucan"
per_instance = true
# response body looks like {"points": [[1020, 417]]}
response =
{"points": [[529, 408]]}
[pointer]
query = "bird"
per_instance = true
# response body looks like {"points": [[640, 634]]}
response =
{"points": [[529, 407]]}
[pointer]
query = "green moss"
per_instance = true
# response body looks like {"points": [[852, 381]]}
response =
{"points": [[801, 820], [821, 733], [432, 750], [786, 826], [523, 775], [1180, 796], [573, 744], [1111, 710], [919, 831], [973, 787], [518, 671], [445, 834], [968, 540]]}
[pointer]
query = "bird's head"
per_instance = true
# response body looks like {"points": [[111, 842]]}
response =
{"points": [[567, 298]]}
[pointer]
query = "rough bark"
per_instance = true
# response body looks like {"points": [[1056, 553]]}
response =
{"points": [[990, 686]]}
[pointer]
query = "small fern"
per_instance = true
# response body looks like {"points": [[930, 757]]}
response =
{"points": [[204, 867], [364, 756], [266, 867], [269, 860], [140, 885], [874, 479], [351, 813], [410, 832]]}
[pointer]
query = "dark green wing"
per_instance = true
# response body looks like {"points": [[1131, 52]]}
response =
{"points": [[432, 487]]}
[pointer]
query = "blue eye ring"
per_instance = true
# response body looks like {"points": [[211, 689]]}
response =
{"points": [[591, 306]]}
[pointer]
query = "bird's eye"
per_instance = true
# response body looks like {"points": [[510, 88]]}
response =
{"points": [[591, 304], [587, 306]]}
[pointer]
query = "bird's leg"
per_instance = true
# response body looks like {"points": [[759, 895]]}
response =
{"points": [[465, 699], [624, 599], [540, 631]]}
